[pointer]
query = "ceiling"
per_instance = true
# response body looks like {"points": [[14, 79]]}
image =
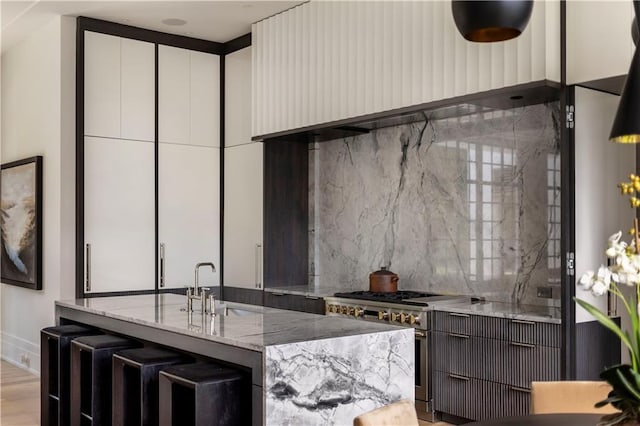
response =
{"points": [[219, 21]]}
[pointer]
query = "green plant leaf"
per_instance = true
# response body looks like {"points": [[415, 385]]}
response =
{"points": [[623, 380]]}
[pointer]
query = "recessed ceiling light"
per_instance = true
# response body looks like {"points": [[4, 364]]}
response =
{"points": [[174, 22]]}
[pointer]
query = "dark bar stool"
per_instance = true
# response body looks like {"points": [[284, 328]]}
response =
{"points": [[135, 384], [203, 394], [55, 371], [91, 378]]}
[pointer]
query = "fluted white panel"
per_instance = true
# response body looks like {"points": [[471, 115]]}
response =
{"points": [[324, 61]]}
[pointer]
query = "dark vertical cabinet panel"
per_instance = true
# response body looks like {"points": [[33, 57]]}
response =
{"points": [[294, 302], [286, 212], [598, 348]]}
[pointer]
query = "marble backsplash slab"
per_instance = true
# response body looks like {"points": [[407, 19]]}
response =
{"points": [[465, 205]]}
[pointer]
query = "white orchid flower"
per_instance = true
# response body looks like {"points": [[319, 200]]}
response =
{"points": [[599, 288], [604, 275], [586, 280], [616, 248]]}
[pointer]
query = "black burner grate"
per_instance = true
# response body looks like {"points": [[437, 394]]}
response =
{"points": [[384, 297]]}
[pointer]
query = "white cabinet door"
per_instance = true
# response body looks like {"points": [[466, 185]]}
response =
{"points": [[189, 213], [237, 98], [101, 85], [119, 215], [173, 95], [205, 99], [138, 90], [188, 97], [243, 182], [119, 99]]}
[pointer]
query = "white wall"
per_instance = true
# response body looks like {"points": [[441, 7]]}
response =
{"points": [[38, 117], [600, 165]]}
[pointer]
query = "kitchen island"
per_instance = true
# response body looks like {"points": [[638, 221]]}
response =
{"points": [[304, 368]]}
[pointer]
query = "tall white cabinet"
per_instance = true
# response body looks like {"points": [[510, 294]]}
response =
{"points": [[122, 158], [119, 182], [188, 165], [243, 179]]}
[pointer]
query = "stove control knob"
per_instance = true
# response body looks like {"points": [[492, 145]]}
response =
{"points": [[344, 310], [358, 312], [350, 310], [395, 317], [404, 318], [382, 315], [414, 319], [333, 309]]}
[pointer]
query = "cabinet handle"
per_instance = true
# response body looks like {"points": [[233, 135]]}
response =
{"points": [[420, 334], [312, 297], [162, 264], [515, 321], [522, 345], [278, 294], [87, 285], [459, 336], [455, 314], [258, 267], [455, 376], [517, 389]]}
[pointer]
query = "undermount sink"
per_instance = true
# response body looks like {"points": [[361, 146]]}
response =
{"points": [[233, 312]]}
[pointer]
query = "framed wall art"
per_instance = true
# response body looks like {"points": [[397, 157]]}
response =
{"points": [[21, 223]]}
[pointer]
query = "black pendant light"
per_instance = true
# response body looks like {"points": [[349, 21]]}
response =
{"points": [[488, 21], [626, 125]]}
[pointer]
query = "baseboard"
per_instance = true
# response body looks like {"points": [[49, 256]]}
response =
{"points": [[20, 352]]}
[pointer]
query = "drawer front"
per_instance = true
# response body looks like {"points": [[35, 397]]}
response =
{"points": [[294, 302], [478, 399], [525, 363], [472, 325], [516, 330], [535, 333], [469, 356]]}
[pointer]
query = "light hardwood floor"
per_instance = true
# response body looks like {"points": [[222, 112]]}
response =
{"points": [[19, 396]]}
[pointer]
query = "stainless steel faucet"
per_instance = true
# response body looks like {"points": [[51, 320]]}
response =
{"points": [[198, 293], [197, 268]]}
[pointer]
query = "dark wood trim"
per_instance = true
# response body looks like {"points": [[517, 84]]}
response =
{"points": [[611, 85], [286, 212], [79, 162], [156, 172], [532, 93], [222, 156], [567, 243], [127, 31], [237, 43], [38, 277], [248, 296]]}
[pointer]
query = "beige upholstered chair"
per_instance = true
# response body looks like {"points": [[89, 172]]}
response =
{"points": [[398, 413], [569, 397]]}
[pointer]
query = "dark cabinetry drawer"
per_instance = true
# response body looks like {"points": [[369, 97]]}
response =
{"points": [[515, 330], [294, 302], [511, 363], [475, 399]]}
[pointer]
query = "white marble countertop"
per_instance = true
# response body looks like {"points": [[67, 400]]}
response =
{"points": [[246, 326], [548, 314]]}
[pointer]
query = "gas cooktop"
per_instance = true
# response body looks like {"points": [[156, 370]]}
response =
{"points": [[404, 296]]}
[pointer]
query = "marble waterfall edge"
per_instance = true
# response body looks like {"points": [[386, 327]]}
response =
{"points": [[331, 381]]}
